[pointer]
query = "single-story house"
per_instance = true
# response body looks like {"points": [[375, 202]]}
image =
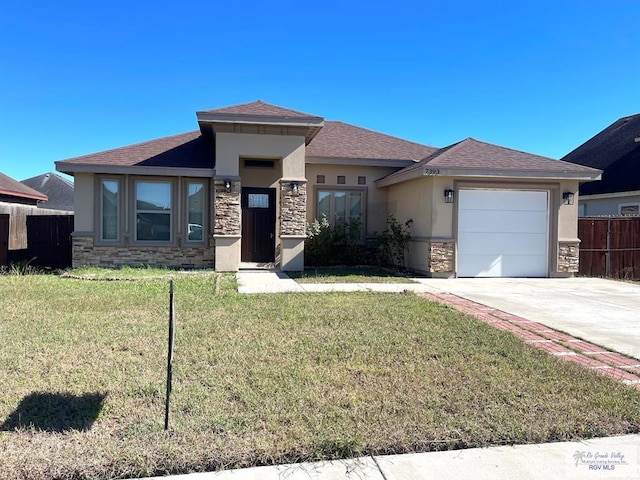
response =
{"points": [[240, 190], [615, 151], [59, 191]]}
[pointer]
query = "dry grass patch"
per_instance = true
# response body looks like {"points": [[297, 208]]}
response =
{"points": [[265, 379]]}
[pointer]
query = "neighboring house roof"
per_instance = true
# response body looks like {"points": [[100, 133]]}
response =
{"points": [[186, 150], [58, 190], [471, 157], [341, 140], [12, 188], [614, 150]]}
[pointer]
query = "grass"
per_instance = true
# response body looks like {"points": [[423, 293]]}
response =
{"points": [[348, 275], [267, 379]]}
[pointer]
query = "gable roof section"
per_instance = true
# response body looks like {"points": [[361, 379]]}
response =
{"points": [[259, 108], [338, 140], [473, 158], [58, 190], [12, 188], [184, 151], [616, 151], [262, 115]]}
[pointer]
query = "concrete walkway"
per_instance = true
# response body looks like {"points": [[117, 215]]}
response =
{"points": [[270, 281]]}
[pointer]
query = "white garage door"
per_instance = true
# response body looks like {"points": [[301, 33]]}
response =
{"points": [[502, 233]]}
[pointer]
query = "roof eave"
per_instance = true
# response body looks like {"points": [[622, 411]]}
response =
{"points": [[313, 124], [413, 173], [72, 168], [23, 195], [596, 196]]}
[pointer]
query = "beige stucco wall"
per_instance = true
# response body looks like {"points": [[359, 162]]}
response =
{"points": [[567, 214], [230, 147], [376, 198], [413, 200], [83, 202]]}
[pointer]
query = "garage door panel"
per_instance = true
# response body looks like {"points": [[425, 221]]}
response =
{"points": [[503, 265], [502, 233], [502, 221], [506, 244], [503, 200]]}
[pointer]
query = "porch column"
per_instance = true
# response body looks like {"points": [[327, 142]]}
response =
{"points": [[227, 221], [293, 216]]}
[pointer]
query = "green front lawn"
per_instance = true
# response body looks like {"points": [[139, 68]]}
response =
{"points": [[263, 379]]}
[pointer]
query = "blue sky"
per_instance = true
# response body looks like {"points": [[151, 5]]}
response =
{"points": [[78, 77]]}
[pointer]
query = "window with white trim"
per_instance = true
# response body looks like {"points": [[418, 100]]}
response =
{"points": [[153, 206], [109, 210], [630, 209]]}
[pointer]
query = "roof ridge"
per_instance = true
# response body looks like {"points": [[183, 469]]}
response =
{"points": [[511, 149], [283, 111], [379, 133]]}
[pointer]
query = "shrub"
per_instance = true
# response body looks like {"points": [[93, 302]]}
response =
{"points": [[393, 243]]}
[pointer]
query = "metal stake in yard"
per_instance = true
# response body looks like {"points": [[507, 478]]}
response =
{"points": [[169, 354]]}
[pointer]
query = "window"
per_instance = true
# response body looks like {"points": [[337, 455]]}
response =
{"points": [[362, 180], [319, 178], [253, 163], [153, 211], [109, 210], [195, 211], [630, 209], [341, 180], [342, 207], [258, 200]]}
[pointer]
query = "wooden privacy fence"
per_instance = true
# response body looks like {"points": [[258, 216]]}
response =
{"points": [[609, 247], [18, 221], [4, 239], [49, 243]]}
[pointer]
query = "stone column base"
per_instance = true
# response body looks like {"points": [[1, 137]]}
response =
{"points": [[440, 257]]}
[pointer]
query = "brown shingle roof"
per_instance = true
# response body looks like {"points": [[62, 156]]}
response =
{"points": [[259, 108], [11, 187], [341, 140], [476, 155], [186, 150]]}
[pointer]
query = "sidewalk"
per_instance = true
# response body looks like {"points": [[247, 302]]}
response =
{"points": [[602, 458]]}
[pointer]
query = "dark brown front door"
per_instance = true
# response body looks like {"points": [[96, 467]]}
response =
{"points": [[258, 224]]}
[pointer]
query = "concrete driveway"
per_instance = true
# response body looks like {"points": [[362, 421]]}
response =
{"points": [[601, 311]]}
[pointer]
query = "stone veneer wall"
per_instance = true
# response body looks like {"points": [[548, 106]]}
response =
{"points": [[86, 253], [227, 208], [568, 257], [293, 209], [440, 257]]}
